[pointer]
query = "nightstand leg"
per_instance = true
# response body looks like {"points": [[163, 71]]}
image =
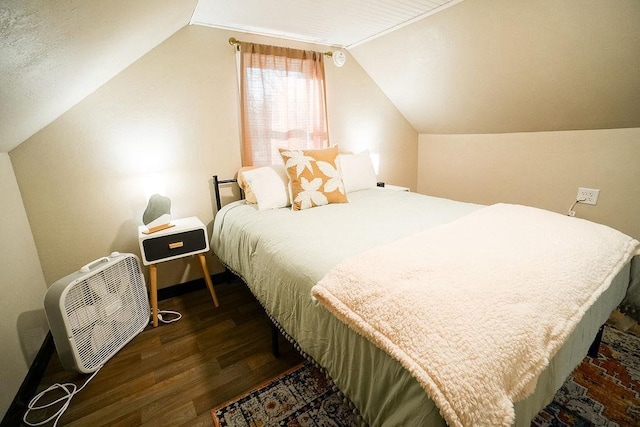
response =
{"points": [[153, 285], [207, 278]]}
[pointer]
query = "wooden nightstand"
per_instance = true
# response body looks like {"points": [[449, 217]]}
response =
{"points": [[187, 236]]}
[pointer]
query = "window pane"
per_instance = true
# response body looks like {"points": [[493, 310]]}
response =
{"points": [[283, 105]]}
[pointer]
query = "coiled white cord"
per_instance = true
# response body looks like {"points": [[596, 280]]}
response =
{"points": [[177, 315], [70, 390]]}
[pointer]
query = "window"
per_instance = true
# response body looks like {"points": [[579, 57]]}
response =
{"points": [[283, 103]]}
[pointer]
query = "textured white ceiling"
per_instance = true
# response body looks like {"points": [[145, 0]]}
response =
{"points": [[329, 22], [54, 53]]}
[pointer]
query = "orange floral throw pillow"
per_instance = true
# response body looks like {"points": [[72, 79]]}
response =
{"points": [[314, 177]]}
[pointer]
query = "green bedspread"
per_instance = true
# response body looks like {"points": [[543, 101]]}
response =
{"points": [[282, 254]]}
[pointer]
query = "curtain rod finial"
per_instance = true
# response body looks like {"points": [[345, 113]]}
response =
{"points": [[233, 41]]}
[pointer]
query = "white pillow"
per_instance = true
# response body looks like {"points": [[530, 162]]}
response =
{"points": [[270, 186], [357, 171]]}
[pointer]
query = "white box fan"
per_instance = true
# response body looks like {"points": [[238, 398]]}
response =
{"points": [[98, 309]]}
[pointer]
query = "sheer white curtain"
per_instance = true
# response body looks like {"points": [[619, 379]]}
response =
{"points": [[283, 104]]}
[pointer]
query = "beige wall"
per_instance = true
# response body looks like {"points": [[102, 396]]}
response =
{"points": [[362, 117], [172, 114], [542, 169], [22, 288]]}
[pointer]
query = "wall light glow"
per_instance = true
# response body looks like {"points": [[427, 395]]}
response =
{"points": [[144, 148], [375, 159], [153, 184]]}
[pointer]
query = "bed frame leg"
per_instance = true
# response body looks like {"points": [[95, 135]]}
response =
{"points": [[275, 346], [595, 345]]}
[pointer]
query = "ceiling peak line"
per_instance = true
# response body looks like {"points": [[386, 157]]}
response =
{"points": [[265, 33]]}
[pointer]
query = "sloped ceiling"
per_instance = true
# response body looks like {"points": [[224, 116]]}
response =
{"points": [[479, 66], [54, 53], [493, 66]]}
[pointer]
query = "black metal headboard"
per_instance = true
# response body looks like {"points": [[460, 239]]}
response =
{"points": [[216, 187]]}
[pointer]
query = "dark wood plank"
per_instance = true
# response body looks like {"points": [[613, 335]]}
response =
{"points": [[176, 373]]}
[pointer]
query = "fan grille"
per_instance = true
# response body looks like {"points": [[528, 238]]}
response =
{"points": [[106, 310]]}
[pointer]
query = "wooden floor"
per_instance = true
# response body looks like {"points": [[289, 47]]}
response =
{"points": [[176, 373]]}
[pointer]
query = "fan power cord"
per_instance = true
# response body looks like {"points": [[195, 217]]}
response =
{"points": [[69, 390], [571, 212], [174, 316]]}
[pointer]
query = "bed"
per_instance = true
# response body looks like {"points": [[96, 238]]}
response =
{"points": [[281, 255]]}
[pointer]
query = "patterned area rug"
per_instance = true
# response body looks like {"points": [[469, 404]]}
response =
{"points": [[302, 396], [601, 392]]}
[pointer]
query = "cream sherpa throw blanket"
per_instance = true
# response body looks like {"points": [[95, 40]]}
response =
{"points": [[476, 308]]}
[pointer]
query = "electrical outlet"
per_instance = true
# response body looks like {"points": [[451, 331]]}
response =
{"points": [[588, 196]]}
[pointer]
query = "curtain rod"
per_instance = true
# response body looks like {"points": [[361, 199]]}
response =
{"points": [[235, 42]]}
